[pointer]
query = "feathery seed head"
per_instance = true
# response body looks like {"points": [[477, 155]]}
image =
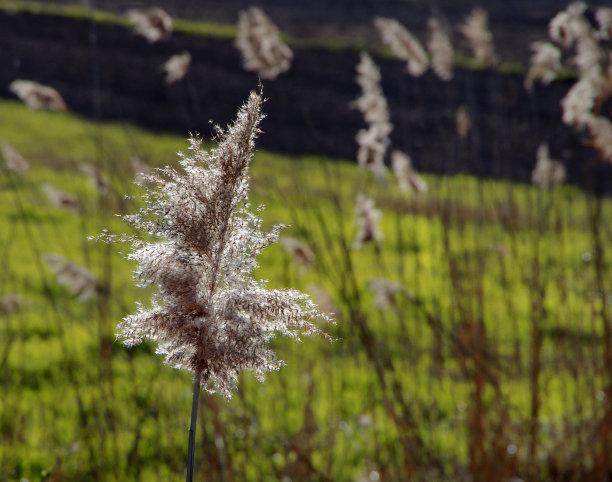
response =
{"points": [[476, 30], [80, 281], [60, 199], [260, 44], [14, 161], [211, 317], [440, 49], [37, 96], [408, 180], [367, 219], [374, 140], [154, 24], [403, 44], [544, 64], [547, 173], [176, 67]]}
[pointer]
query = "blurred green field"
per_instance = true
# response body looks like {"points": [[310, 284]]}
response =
{"points": [[498, 278]]}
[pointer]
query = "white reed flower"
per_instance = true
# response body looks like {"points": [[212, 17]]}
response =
{"points": [[547, 173], [579, 101], [373, 141], [211, 317], [14, 161], [403, 45], [408, 180], [38, 96], [367, 218], [440, 49], [63, 200], [463, 122], [604, 20], [544, 64], [259, 41], [568, 25], [601, 134], [176, 67], [154, 24], [476, 30], [80, 281]]}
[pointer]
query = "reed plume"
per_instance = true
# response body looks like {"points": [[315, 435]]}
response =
{"points": [[37, 96], [603, 15], [81, 282], [408, 180], [582, 105], [211, 317], [13, 160], [440, 49], [176, 67], [475, 29], [544, 64], [403, 45], [374, 141], [260, 44], [547, 173], [154, 24], [63, 200], [367, 218]]}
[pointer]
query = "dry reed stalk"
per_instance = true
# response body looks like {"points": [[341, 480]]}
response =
{"points": [[38, 96], [14, 161], [176, 67], [476, 30], [154, 24], [260, 44]]}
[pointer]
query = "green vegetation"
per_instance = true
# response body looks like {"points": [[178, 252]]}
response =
{"points": [[492, 353]]}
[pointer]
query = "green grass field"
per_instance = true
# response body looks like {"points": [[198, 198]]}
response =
{"points": [[493, 355]]}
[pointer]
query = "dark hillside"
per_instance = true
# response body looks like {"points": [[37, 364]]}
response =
{"points": [[107, 72]]}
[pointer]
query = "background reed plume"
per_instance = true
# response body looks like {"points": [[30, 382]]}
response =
{"points": [[259, 41], [210, 316]]}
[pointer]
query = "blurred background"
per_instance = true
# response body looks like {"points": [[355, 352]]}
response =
{"points": [[444, 170]]}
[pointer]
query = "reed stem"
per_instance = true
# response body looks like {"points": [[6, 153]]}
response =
{"points": [[192, 427]]}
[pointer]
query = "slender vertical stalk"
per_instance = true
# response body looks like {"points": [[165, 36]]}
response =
{"points": [[192, 427]]}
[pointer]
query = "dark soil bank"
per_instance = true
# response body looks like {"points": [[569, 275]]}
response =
{"points": [[106, 72]]}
